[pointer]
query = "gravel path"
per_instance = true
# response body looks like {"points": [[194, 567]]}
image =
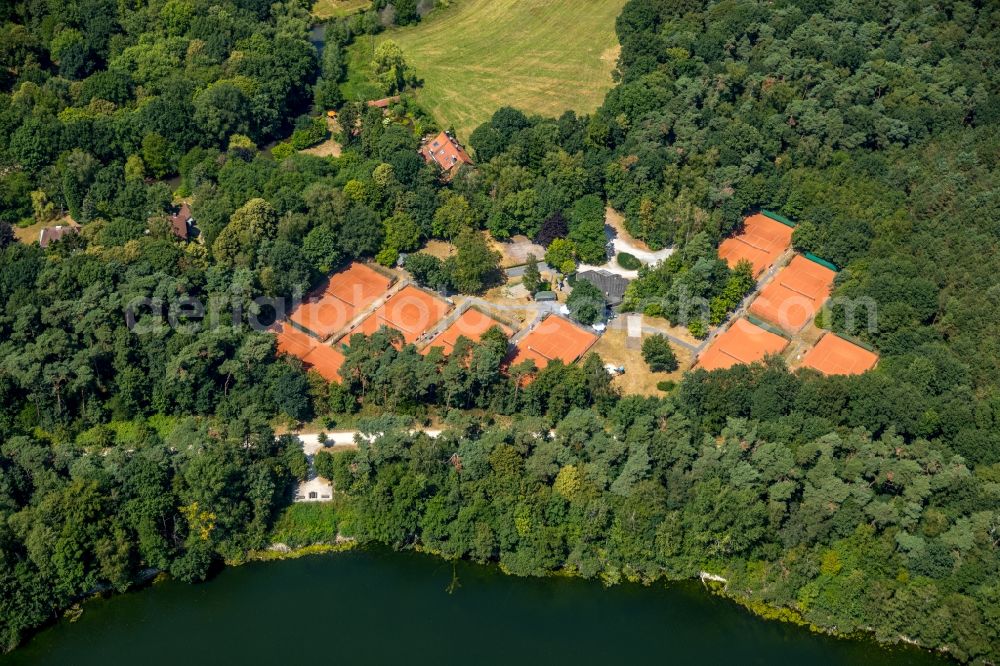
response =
{"points": [[311, 443]]}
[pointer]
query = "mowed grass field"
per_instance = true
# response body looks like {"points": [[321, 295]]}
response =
{"points": [[328, 9], [542, 56]]}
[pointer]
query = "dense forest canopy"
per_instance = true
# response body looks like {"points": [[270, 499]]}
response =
{"points": [[862, 503]]}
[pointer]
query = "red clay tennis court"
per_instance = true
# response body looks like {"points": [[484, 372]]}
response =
{"points": [[554, 338], [325, 360], [358, 285], [742, 342], [470, 324], [761, 243], [293, 342], [343, 298], [316, 356], [795, 294], [833, 355], [411, 311]]}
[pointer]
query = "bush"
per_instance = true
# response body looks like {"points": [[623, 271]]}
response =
{"points": [[310, 135], [194, 564], [306, 523], [532, 279], [666, 385], [6, 234], [658, 354], [740, 283], [628, 261], [282, 150], [698, 329], [653, 310], [387, 256], [475, 266]]}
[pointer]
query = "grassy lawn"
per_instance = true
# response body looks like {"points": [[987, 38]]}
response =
{"points": [[542, 56], [360, 86], [328, 9], [28, 234], [307, 522], [637, 380]]}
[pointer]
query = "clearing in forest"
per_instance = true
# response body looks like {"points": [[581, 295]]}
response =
{"points": [[638, 379], [541, 56]]}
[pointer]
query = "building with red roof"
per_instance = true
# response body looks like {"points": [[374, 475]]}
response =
{"points": [[53, 234], [444, 151], [180, 222], [383, 103]]}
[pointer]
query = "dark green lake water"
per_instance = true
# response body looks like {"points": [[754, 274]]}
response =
{"points": [[373, 607]]}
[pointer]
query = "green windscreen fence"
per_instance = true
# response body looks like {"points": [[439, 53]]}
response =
{"points": [[777, 217], [822, 262], [757, 321], [854, 341]]}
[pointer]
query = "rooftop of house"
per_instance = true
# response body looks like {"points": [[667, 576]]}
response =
{"points": [[180, 220], [53, 234], [611, 284], [384, 102], [444, 151]]}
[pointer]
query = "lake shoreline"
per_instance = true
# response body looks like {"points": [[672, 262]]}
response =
{"points": [[373, 580], [279, 551], [715, 584]]}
